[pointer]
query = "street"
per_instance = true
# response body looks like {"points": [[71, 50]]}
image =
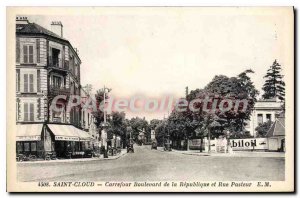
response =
{"points": [[153, 165]]}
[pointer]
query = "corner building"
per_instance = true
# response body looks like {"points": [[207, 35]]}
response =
{"points": [[47, 65]]}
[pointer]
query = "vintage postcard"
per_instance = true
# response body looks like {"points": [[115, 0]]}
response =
{"points": [[150, 99]]}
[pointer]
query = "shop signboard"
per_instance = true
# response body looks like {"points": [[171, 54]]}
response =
{"points": [[29, 138], [66, 138], [249, 144]]}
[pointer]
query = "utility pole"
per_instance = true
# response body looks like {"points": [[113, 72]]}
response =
{"points": [[186, 91], [209, 149], [104, 125]]}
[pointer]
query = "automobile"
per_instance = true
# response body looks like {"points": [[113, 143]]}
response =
{"points": [[130, 148], [154, 145], [167, 147], [89, 153]]}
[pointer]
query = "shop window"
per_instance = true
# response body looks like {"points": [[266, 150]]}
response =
{"points": [[33, 146], [19, 147], [26, 146]]}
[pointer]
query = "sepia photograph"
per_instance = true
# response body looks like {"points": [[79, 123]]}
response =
{"points": [[155, 99]]}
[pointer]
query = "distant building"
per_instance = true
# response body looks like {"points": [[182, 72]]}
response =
{"points": [[276, 134], [264, 110]]}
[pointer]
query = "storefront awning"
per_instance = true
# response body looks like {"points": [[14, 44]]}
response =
{"points": [[68, 133], [83, 136], [29, 132]]}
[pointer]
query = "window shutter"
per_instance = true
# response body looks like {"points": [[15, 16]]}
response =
{"points": [[47, 48], [25, 54], [30, 54], [31, 88], [38, 80], [18, 80], [25, 82], [31, 112], [38, 50], [25, 111], [18, 50]]}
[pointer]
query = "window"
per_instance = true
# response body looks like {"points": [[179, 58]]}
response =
{"points": [[259, 119], [55, 57], [28, 54], [268, 116], [28, 111], [57, 82], [28, 83]]}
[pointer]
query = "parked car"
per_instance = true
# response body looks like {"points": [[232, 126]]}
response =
{"points": [[89, 153], [154, 145], [130, 148]]}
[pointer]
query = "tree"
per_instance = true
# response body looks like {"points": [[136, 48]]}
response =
{"points": [[118, 126], [263, 129], [138, 124], [160, 132], [274, 85], [154, 123], [99, 114]]}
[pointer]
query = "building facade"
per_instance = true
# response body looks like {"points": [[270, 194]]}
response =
{"points": [[47, 65], [264, 111]]}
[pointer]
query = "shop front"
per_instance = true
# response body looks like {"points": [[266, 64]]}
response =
{"points": [[69, 141], [28, 139], [42, 140]]}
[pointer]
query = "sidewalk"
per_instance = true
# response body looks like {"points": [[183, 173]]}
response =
{"points": [[234, 154], [123, 152]]}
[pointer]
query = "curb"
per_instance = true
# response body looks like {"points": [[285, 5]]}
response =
{"points": [[73, 160], [222, 154]]}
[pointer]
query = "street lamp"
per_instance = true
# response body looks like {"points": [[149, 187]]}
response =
{"points": [[104, 124], [104, 100]]}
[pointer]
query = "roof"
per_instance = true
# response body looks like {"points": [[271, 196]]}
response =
{"points": [[33, 28], [278, 128], [267, 100]]}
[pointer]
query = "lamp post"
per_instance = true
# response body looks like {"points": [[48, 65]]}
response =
{"points": [[104, 124]]}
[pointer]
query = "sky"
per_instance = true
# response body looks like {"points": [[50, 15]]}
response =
{"points": [[157, 51]]}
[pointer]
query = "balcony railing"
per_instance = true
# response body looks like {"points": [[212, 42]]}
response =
{"points": [[57, 119], [57, 63], [55, 91]]}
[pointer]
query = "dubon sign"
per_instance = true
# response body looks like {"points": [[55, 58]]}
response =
{"points": [[249, 144]]}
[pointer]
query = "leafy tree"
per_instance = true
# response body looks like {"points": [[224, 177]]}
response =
{"points": [[154, 123], [263, 129], [160, 132], [138, 124], [99, 115], [274, 85], [118, 125]]}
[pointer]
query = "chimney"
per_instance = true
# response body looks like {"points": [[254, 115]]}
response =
{"points": [[21, 20], [57, 28]]}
